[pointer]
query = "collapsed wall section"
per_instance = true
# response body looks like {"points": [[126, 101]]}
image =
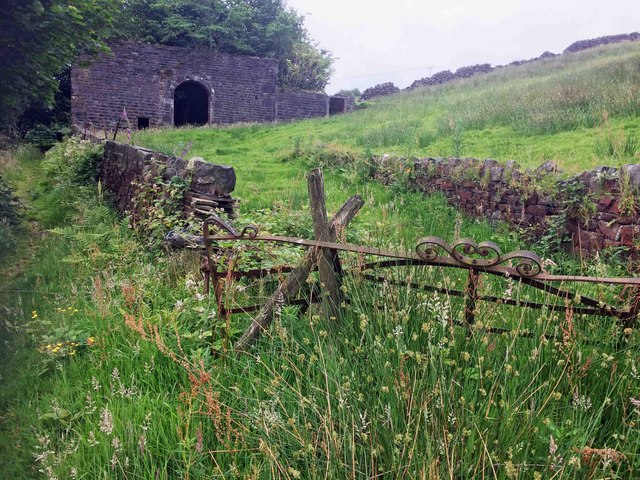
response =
{"points": [[127, 170]]}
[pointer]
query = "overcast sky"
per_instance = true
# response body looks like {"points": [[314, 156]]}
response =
{"points": [[378, 41]]}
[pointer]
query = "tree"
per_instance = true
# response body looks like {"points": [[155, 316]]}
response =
{"points": [[263, 28], [37, 40], [354, 92], [306, 67]]}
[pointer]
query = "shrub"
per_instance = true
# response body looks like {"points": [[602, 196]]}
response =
{"points": [[68, 167], [73, 162], [9, 219]]}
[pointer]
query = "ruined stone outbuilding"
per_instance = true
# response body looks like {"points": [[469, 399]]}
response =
{"points": [[171, 86]]}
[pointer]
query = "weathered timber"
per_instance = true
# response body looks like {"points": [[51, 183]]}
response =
{"points": [[328, 259], [289, 288]]}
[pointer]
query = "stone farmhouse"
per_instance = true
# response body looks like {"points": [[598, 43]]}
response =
{"points": [[171, 86]]}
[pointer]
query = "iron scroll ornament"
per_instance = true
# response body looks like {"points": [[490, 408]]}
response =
{"points": [[483, 255]]}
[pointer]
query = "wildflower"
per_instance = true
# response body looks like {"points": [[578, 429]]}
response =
{"points": [[581, 402], [384, 389], [557, 396], [466, 356]]}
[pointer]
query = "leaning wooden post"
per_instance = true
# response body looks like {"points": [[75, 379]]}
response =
{"points": [[289, 288], [328, 260], [629, 318], [471, 297]]}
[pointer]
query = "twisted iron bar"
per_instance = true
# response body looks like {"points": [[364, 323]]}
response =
{"points": [[249, 231], [483, 255]]}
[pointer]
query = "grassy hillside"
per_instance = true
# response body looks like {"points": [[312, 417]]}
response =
{"points": [[580, 110]]}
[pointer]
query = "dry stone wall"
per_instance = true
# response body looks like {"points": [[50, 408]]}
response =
{"points": [[127, 169], [596, 209], [379, 90], [596, 42]]}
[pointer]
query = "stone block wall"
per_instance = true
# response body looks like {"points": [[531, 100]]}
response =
{"points": [[142, 78], [599, 208], [298, 104], [125, 168]]}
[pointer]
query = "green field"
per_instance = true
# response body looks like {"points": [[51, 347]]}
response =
{"points": [[116, 366]]}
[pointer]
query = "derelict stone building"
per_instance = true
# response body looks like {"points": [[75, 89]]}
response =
{"points": [[164, 86]]}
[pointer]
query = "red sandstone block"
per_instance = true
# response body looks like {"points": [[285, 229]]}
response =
{"points": [[604, 203], [611, 243], [614, 207], [609, 230], [537, 210], [629, 233], [465, 195]]}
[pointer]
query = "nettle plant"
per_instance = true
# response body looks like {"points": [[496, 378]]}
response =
{"points": [[158, 207]]}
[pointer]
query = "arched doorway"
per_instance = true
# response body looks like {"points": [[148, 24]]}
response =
{"points": [[190, 104]]}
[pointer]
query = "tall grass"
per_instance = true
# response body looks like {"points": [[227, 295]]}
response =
{"points": [[143, 384], [548, 110]]}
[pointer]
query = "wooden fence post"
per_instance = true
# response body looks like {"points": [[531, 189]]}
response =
{"points": [[297, 277], [328, 260]]}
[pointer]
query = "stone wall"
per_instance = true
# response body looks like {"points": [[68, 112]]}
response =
{"points": [[379, 90], [298, 104], [597, 209], [596, 42], [142, 79], [126, 168]]}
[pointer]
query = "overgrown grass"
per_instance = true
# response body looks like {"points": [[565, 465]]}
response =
{"points": [[564, 109], [118, 366]]}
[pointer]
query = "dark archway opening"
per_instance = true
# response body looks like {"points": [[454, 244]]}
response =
{"points": [[337, 105], [190, 104]]}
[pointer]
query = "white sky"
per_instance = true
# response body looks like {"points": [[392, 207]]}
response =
{"points": [[400, 41]]}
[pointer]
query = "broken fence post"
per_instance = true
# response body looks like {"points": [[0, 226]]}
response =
{"points": [[289, 288], [328, 259]]}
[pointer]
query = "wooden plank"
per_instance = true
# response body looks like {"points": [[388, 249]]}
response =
{"points": [[328, 260], [291, 285]]}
